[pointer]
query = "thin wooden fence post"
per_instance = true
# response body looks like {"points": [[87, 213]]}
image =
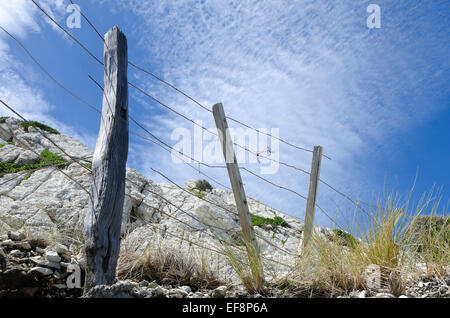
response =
{"points": [[253, 250], [103, 219], [312, 195]]}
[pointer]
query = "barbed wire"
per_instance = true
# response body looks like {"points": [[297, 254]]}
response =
{"points": [[244, 148], [208, 110], [109, 105], [202, 163], [68, 33], [190, 97], [32, 150], [215, 204], [170, 108], [136, 122], [179, 157], [46, 72], [84, 101], [219, 239], [89, 170], [212, 249], [129, 180], [24, 173], [256, 154]]}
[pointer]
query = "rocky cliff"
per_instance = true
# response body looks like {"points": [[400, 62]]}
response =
{"points": [[183, 239], [36, 198]]}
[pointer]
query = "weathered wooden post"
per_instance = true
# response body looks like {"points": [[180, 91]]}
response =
{"points": [[253, 250], [312, 195], [104, 215]]}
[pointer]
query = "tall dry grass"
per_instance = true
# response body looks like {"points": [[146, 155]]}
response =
{"points": [[247, 264], [397, 240], [170, 266]]}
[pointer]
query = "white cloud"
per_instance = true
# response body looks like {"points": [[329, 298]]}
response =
{"points": [[18, 16], [311, 68], [18, 86]]}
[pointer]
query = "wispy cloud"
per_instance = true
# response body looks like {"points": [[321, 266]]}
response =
{"points": [[19, 85], [311, 68]]}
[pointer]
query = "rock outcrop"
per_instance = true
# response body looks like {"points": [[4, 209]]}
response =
{"points": [[46, 204], [41, 221]]}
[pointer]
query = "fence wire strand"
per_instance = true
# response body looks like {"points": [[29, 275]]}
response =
{"points": [[258, 155]]}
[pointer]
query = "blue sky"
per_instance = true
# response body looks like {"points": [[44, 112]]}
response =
{"points": [[377, 100]]}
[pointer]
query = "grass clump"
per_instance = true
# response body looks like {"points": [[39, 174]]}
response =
{"points": [[48, 158], [27, 124], [166, 266], [247, 265], [274, 222], [392, 241], [200, 186], [87, 165], [3, 119], [203, 185], [430, 240], [345, 238]]}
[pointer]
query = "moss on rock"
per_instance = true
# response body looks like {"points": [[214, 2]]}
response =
{"points": [[274, 222], [27, 124], [47, 159]]}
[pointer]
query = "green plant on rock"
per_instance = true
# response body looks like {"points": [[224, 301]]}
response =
{"points": [[203, 185], [274, 222], [87, 165], [345, 238], [47, 159], [27, 124], [200, 186]]}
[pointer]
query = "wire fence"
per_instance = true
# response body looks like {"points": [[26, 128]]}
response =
{"points": [[150, 137]]}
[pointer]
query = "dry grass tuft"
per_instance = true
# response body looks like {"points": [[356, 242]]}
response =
{"points": [[167, 266], [392, 242], [247, 265]]}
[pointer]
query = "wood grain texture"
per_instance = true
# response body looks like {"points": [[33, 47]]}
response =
{"points": [[236, 181], [312, 195], [104, 215]]}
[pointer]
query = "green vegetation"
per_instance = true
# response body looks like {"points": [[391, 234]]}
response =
{"points": [[285, 284], [395, 236], [199, 187], [203, 185], [345, 238], [3, 119], [169, 265], [27, 124], [427, 229], [200, 195], [430, 235], [47, 159], [87, 165], [247, 264], [275, 222]]}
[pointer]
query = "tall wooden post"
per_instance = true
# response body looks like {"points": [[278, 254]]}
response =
{"points": [[104, 215], [253, 250], [312, 195]]}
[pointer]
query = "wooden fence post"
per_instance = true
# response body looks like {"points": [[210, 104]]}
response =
{"points": [[253, 250], [103, 219], [312, 195]]}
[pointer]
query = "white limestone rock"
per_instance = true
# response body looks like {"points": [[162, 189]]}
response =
{"points": [[49, 205]]}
